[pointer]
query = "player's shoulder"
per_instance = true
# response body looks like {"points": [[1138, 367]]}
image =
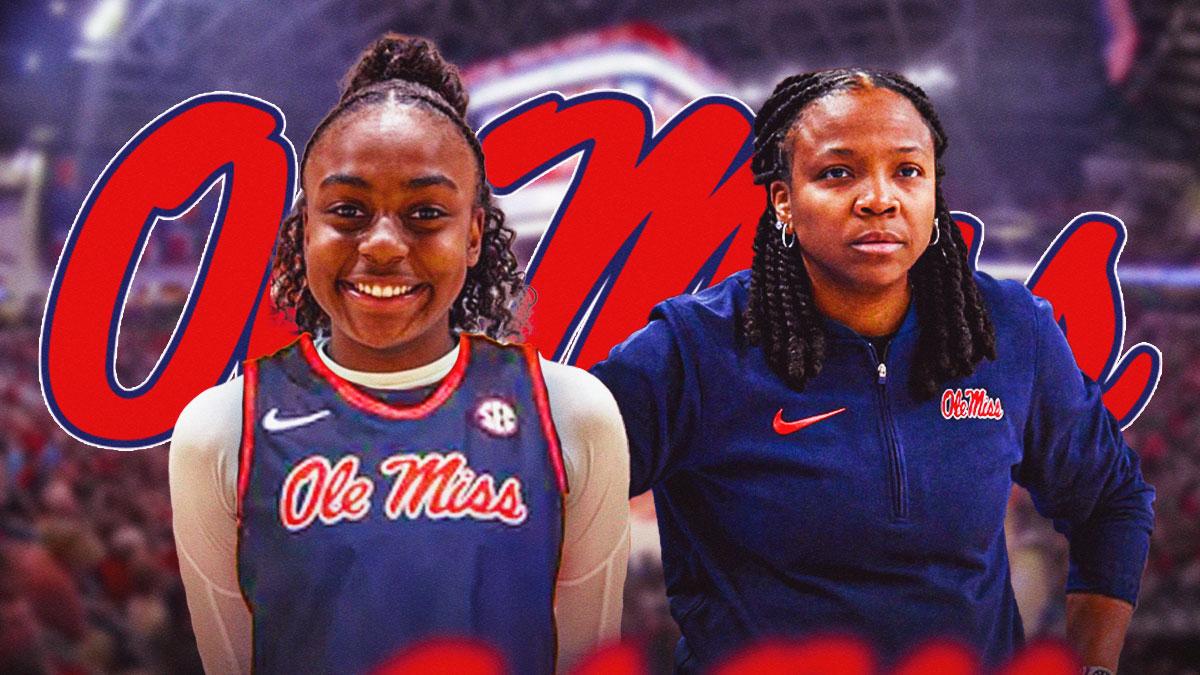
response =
{"points": [[204, 444], [590, 428], [212, 420], [578, 397]]}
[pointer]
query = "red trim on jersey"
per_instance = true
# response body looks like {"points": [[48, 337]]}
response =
{"points": [[245, 461], [246, 452], [355, 396], [543, 406]]}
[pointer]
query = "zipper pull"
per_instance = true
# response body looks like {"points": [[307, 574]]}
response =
{"points": [[882, 373]]}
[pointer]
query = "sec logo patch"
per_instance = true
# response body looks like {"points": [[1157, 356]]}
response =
{"points": [[497, 417]]}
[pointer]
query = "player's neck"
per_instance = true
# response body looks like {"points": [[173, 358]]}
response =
{"points": [[420, 376]]}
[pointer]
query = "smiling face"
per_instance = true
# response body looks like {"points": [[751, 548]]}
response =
{"points": [[861, 195], [391, 226]]}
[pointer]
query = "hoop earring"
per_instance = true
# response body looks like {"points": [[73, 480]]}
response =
{"points": [[937, 233], [783, 236]]}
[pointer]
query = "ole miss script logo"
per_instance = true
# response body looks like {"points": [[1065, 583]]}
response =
{"points": [[429, 485], [597, 284], [961, 404]]}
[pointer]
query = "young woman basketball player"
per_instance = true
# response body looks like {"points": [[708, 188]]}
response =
{"points": [[397, 474]]}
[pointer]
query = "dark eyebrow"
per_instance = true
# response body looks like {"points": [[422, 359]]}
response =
{"points": [[345, 179], [847, 152], [418, 182], [432, 179]]}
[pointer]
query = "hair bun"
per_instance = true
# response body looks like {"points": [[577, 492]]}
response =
{"points": [[414, 59]]}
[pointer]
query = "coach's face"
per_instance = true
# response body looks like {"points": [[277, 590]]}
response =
{"points": [[861, 191]]}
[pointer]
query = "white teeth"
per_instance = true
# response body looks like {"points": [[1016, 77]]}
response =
{"points": [[377, 291]]}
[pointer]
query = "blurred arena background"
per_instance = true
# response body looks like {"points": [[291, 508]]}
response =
{"points": [[1052, 109]]}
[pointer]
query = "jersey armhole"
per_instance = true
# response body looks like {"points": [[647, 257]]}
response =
{"points": [[246, 449], [543, 405], [245, 462]]}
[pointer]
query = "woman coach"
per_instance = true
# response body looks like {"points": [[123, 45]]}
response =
{"points": [[832, 435]]}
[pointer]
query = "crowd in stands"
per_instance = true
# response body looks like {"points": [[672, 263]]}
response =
{"points": [[89, 581]]}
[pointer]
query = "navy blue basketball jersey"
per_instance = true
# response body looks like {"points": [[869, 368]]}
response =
{"points": [[368, 526]]}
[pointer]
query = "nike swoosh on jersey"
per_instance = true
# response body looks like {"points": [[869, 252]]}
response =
{"points": [[272, 422], [784, 428]]}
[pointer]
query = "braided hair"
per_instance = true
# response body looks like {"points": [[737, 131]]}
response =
{"points": [[781, 317], [403, 70]]}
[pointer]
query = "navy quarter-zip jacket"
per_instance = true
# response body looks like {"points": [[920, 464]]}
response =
{"points": [[884, 519]]}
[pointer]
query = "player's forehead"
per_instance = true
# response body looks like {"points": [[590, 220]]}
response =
{"points": [[395, 139]]}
